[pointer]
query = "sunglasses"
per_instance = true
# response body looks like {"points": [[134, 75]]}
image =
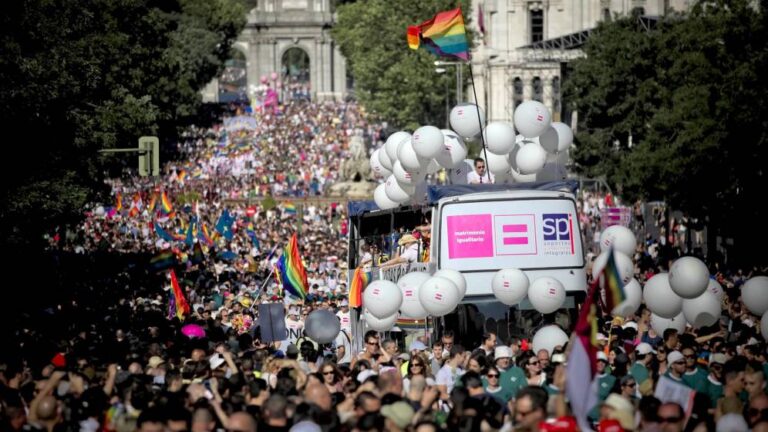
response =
{"points": [[689, 356], [669, 419], [417, 365], [492, 375], [533, 363], [328, 373], [754, 412], [372, 343], [630, 384]]}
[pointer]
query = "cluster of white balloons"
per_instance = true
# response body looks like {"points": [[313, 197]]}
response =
{"points": [[406, 159], [416, 295], [511, 286]]}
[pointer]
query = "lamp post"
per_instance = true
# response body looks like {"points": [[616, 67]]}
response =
{"points": [[459, 92], [447, 106]]}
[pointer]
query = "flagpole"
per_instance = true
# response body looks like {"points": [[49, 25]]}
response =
{"points": [[480, 122]]}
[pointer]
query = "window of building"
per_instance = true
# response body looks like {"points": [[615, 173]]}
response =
{"points": [[606, 14], [518, 87], [538, 90], [537, 25]]}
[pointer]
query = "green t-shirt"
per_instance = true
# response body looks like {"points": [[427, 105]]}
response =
{"points": [[696, 380], [513, 379], [502, 394], [604, 386], [639, 372], [714, 390]]}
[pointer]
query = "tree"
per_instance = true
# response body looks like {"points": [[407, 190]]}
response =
{"points": [[392, 81], [78, 76], [687, 92]]}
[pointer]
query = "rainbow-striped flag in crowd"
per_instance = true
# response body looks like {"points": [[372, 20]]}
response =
{"points": [[444, 35], [360, 280], [612, 283], [119, 202], [292, 272], [165, 204], [178, 305], [289, 208], [411, 324], [164, 260]]}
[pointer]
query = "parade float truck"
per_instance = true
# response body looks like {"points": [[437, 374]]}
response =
{"points": [[479, 230]]}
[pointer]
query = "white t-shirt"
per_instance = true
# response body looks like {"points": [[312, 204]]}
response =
{"points": [[411, 253], [346, 321], [447, 376], [294, 330], [344, 339]]}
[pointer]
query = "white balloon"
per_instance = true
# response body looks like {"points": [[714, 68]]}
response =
{"points": [[385, 160], [522, 178], [459, 173], [659, 324], [454, 150], [499, 137], [715, 288], [439, 296], [620, 237], [702, 311], [660, 298], [409, 178], [623, 263], [379, 324], [397, 192], [754, 293], [688, 277], [427, 141], [322, 326], [510, 286], [464, 120], [382, 298], [408, 157], [497, 164], [628, 307], [393, 143], [382, 200], [530, 159], [548, 338], [546, 294], [764, 325], [99, 211], [409, 285], [556, 138], [532, 118], [378, 169], [433, 167], [456, 277]]}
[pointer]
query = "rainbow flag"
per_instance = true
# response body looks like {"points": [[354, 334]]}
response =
{"points": [[178, 304], [614, 287], [290, 208], [163, 261], [291, 269], [152, 203], [181, 176], [165, 204], [360, 280], [411, 324], [119, 202], [205, 235], [444, 35]]}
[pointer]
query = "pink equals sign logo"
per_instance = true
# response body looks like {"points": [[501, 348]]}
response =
{"points": [[408, 293], [506, 284], [518, 234], [438, 296]]}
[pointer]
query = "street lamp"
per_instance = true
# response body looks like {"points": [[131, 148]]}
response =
{"points": [[447, 107], [459, 92]]}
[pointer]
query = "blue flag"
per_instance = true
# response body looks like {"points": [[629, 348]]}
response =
{"points": [[224, 224]]}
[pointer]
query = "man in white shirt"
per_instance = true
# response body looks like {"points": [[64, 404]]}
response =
{"points": [[479, 175], [343, 314], [410, 253], [452, 369]]}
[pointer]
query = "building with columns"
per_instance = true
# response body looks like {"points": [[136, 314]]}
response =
{"points": [[290, 38], [527, 43]]}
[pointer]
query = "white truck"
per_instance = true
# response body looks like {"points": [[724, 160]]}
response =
{"points": [[479, 230]]}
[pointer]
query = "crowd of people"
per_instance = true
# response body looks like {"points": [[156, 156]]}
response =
{"points": [[114, 358]]}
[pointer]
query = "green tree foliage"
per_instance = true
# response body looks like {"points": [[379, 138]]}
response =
{"points": [[80, 75], [690, 94], [392, 81]]}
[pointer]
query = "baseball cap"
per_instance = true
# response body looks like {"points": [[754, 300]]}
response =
{"points": [[718, 358], [601, 356], [216, 361], [155, 361], [623, 411], [644, 348], [401, 413], [417, 345], [674, 357], [364, 375]]}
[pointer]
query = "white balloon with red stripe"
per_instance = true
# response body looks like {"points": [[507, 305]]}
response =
{"points": [[382, 298], [439, 296], [409, 285]]}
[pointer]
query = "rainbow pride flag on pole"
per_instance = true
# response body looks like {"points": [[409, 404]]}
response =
{"points": [[612, 283], [291, 270], [360, 280], [165, 204], [178, 305], [444, 35]]}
